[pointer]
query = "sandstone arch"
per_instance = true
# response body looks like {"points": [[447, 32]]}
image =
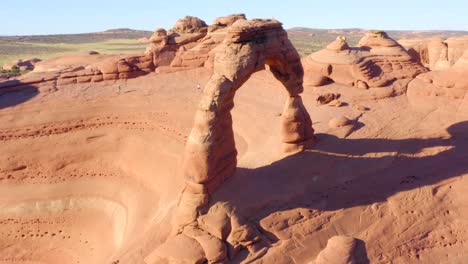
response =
{"points": [[210, 155]]}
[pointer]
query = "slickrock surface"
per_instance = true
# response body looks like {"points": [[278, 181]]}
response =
{"points": [[92, 172], [378, 61]]}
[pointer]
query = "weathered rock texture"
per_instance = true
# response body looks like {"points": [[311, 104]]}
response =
{"points": [[189, 44], [211, 155], [84, 69], [339, 250], [436, 53], [378, 61], [446, 89]]}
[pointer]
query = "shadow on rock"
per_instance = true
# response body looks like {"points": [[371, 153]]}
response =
{"points": [[17, 94], [343, 173]]}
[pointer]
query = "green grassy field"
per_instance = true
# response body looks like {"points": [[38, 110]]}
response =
{"points": [[14, 50]]}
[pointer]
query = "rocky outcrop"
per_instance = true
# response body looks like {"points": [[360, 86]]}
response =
{"points": [[227, 21], [189, 24], [211, 155], [339, 250], [181, 49], [22, 65], [456, 48], [446, 89], [436, 53], [431, 52], [85, 69], [378, 61]]}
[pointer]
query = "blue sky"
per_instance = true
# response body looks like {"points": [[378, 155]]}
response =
{"points": [[23, 17]]}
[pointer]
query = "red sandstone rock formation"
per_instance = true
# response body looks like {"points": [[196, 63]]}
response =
{"points": [[210, 156], [428, 51], [378, 61], [84, 69], [446, 89], [456, 47], [436, 53], [181, 49], [189, 44]]}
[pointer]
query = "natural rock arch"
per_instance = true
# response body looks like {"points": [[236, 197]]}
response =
{"points": [[215, 234], [210, 155]]}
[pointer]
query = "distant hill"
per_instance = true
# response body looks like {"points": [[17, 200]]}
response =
{"points": [[120, 33], [113, 41], [308, 40]]}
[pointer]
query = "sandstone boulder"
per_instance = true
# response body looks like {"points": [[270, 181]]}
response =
{"points": [[327, 98], [339, 122], [228, 20], [190, 24]]}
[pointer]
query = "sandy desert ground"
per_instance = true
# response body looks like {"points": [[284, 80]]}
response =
{"points": [[91, 173]]}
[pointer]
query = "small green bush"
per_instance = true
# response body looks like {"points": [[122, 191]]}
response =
{"points": [[14, 70]]}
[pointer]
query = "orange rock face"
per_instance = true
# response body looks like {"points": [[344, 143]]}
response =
{"points": [[183, 49], [436, 53], [445, 89], [211, 155], [378, 61]]}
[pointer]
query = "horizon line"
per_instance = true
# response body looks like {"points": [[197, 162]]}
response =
{"points": [[291, 28]]}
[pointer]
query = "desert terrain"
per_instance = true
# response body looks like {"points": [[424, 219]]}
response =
{"points": [[222, 143]]}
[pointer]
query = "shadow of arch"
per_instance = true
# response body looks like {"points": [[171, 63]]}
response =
{"points": [[352, 160], [344, 173], [17, 94]]}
